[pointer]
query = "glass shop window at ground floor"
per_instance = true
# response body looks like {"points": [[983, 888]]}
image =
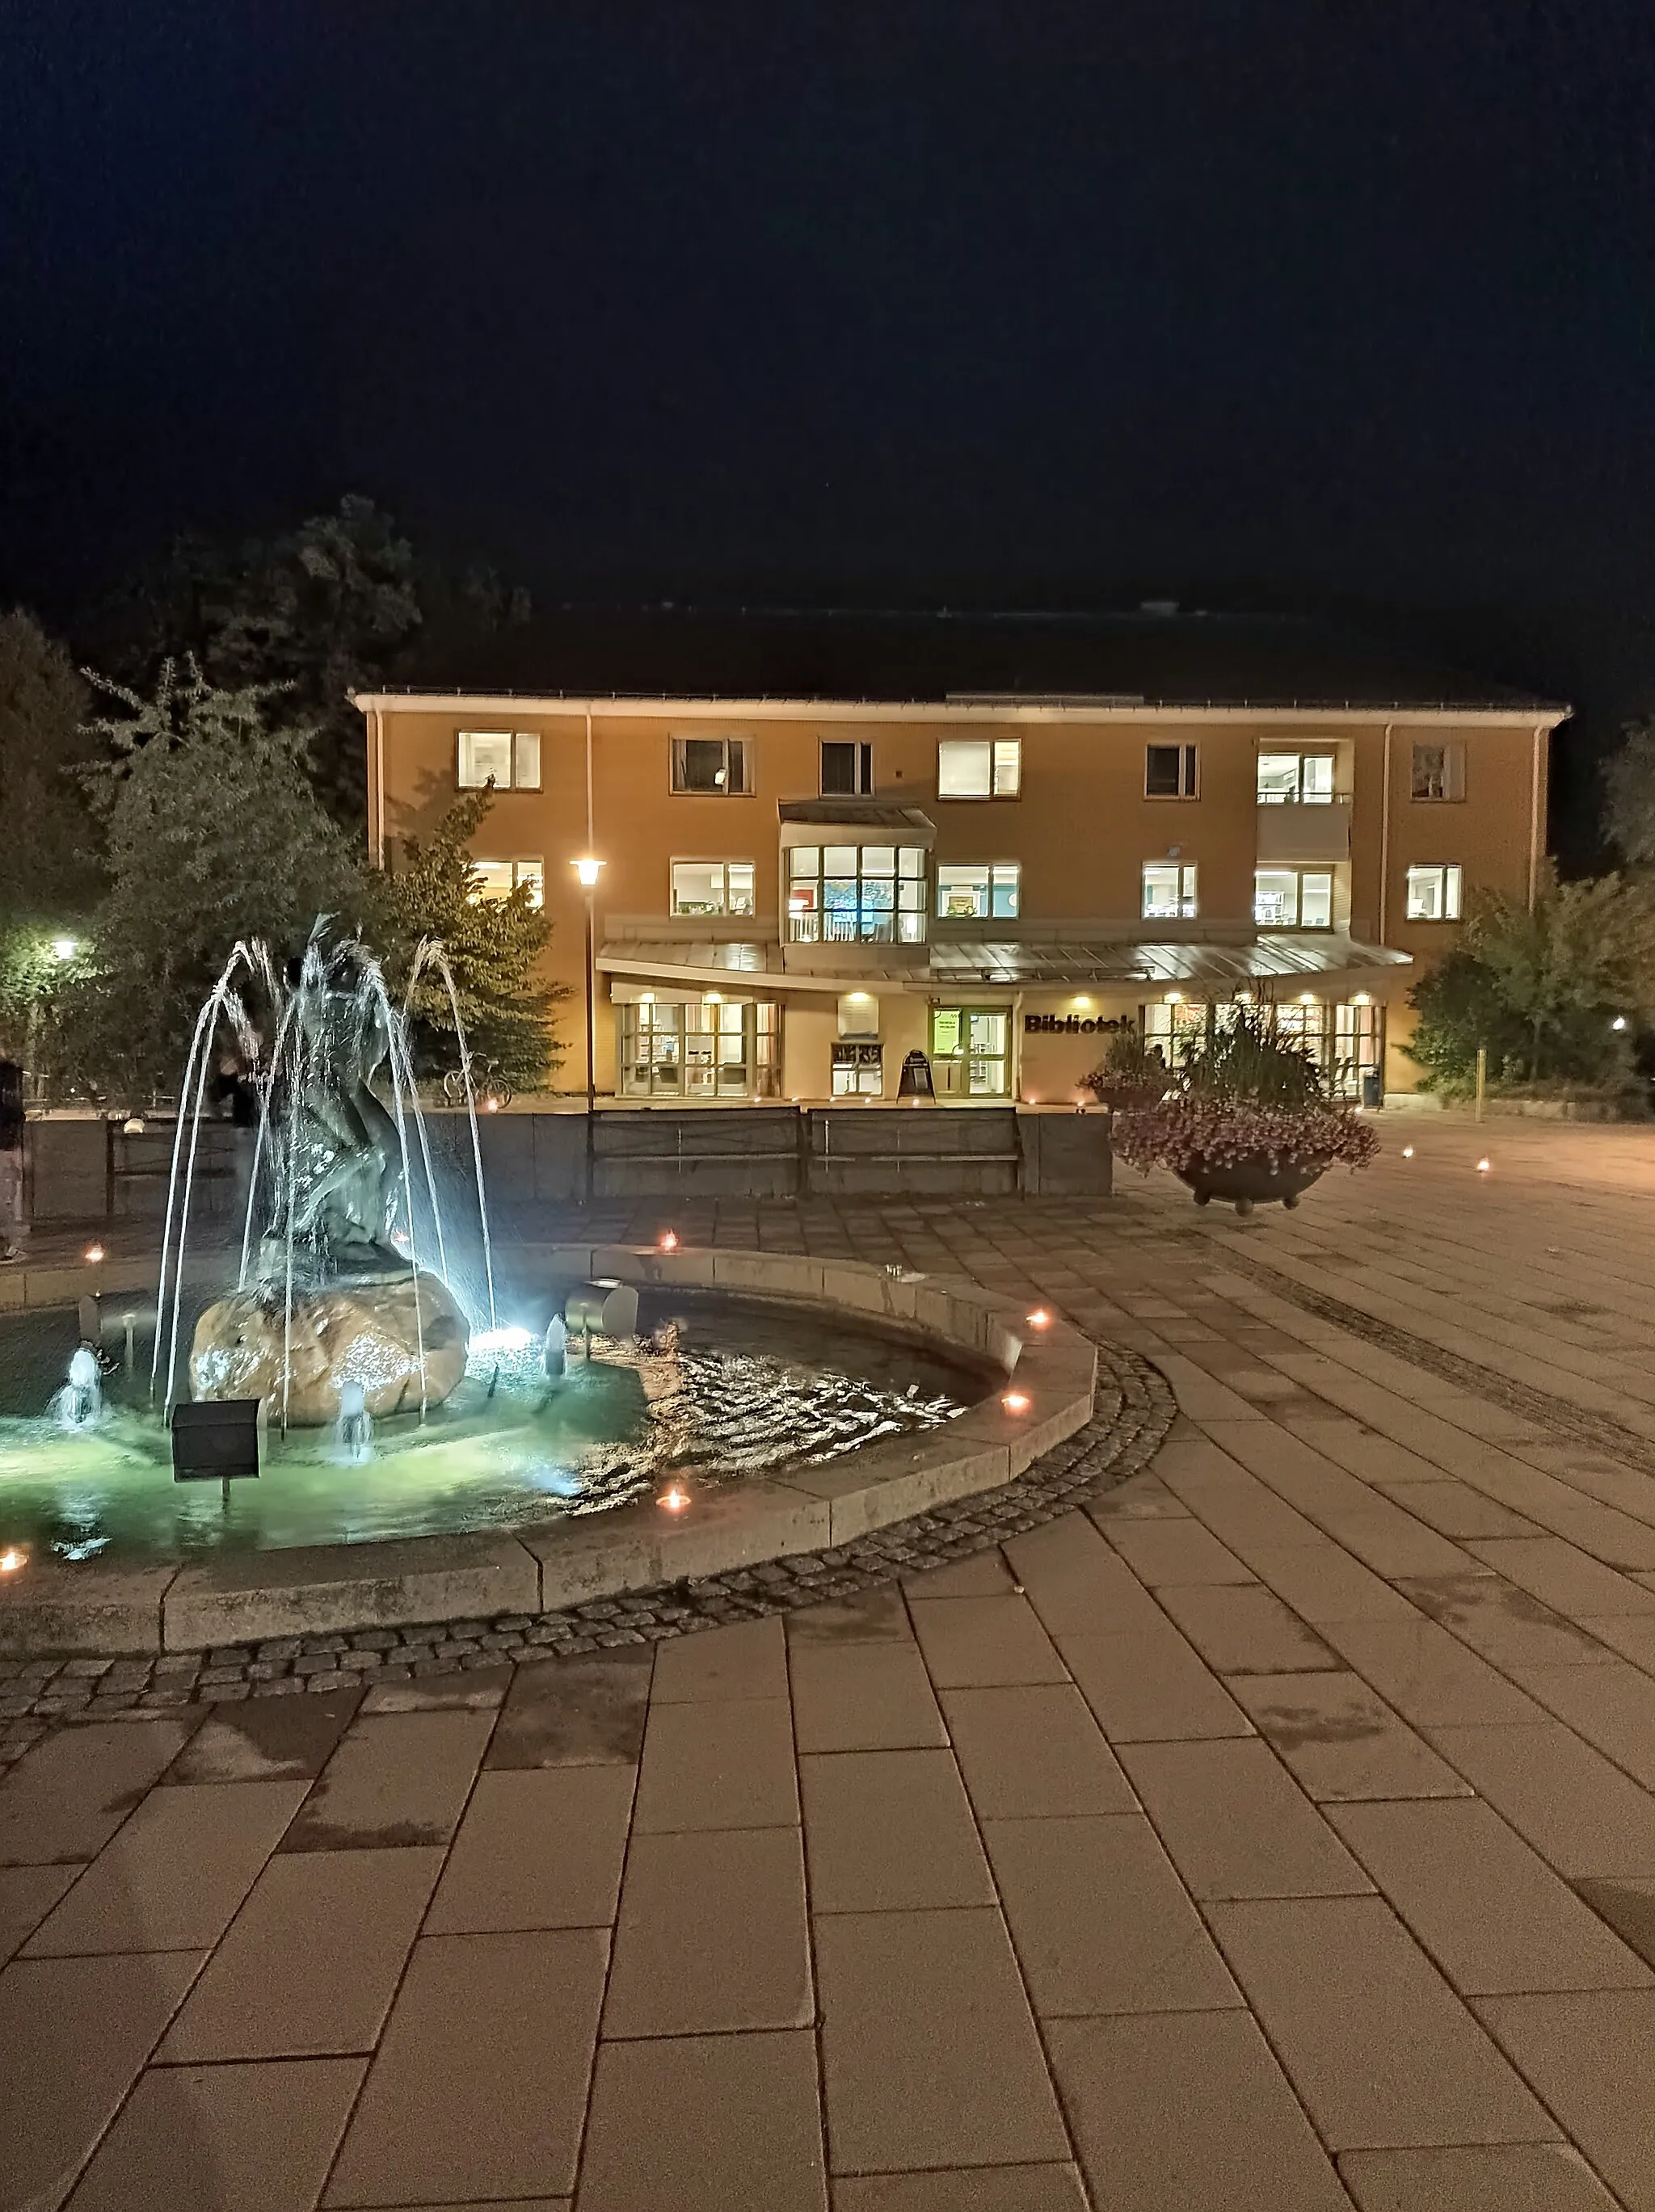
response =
{"points": [[699, 1051], [1345, 1039], [971, 1052]]}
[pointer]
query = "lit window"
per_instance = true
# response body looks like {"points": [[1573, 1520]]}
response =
{"points": [[498, 879], [1433, 894], [977, 890], [970, 1051], [838, 894], [1293, 898], [979, 768], [847, 770], [1438, 771], [1169, 771], [718, 767], [1169, 891], [1295, 779], [510, 760], [858, 1071], [711, 886]]}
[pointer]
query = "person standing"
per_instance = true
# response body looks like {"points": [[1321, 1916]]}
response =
{"points": [[14, 1226]]}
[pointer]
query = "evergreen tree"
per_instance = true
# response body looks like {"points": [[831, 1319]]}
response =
{"points": [[493, 948], [213, 833], [1629, 808]]}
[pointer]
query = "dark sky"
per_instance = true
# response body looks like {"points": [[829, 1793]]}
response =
{"points": [[1264, 305]]}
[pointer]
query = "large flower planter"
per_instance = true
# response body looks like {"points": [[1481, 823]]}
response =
{"points": [[1249, 1183]]}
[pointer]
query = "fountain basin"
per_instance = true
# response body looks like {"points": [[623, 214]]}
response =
{"points": [[797, 1506]]}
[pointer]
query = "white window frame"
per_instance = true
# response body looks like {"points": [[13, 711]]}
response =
{"points": [[1449, 879], [814, 918], [1299, 796], [862, 780], [724, 868], [1189, 772], [738, 755], [999, 874], [1183, 891], [1300, 876], [1451, 779], [522, 759], [987, 768], [531, 872]]}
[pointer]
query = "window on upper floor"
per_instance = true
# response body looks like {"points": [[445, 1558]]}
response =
{"points": [[979, 768], [1169, 771], [1295, 779], [1434, 893], [510, 759], [980, 890], [1169, 890], [498, 879], [711, 886], [1439, 770], [1293, 898], [715, 767], [841, 894], [847, 769]]}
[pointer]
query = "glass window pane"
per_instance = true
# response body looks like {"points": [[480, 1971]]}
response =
{"points": [[838, 859], [805, 861], [1430, 771], [1006, 883], [1316, 901], [697, 887], [962, 890], [910, 927], [1160, 891], [838, 769], [911, 897], [1277, 778], [485, 754], [526, 773], [879, 859], [1009, 767], [910, 860], [1450, 894], [1187, 905], [738, 764], [944, 1030], [531, 874], [493, 879], [963, 768], [1162, 771], [701, 764], [739, 897], [1275, 898], [1427, 894], [1316, 779]]}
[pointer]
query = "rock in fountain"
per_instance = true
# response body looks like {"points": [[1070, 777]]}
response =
{"points": [[334, 1309]]}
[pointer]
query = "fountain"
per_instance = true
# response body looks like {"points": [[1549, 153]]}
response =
{"points": [[79, 1402], [331, 1298]]}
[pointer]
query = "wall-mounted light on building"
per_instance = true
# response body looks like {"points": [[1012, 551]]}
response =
{"points": [[587, 871], [712, 998], [1307, 998], [1360, 999], [1244, 997], [1619, 1023], [645, 997], [1175, 998]]}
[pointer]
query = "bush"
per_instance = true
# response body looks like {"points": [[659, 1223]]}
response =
{"points": [[1192, 1131]]}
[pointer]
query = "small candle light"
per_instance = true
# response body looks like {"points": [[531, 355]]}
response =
{"points": [[1408, 1151], [1483, 1166], [95, 1253], [1039, 1318], [669, 1241], [492, 1105], [11, 1560], [675, 1499], [1015, 1401]]}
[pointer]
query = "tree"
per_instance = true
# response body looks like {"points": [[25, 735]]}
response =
{"points": [[334, 606], [493, 948], [49, 866], [214, 833], [1629, 808], [1541, 987]]}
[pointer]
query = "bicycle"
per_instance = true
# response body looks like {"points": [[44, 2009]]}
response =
{"points": [[489, 1085]]}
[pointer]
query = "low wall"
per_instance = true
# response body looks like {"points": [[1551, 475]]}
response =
{"points": [[86, 1170]]}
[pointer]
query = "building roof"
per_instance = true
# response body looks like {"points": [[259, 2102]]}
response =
{"points": [[1157, 656], [858, 814], [1270, 962]]}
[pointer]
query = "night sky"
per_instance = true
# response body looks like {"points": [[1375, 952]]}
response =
{"points": [[1263, 305]]}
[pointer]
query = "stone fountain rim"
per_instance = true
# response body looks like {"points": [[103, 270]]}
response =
{"points": [[87, 1610]]}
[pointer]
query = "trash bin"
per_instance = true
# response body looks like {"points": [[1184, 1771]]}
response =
{"points": [[1371, 1095]]}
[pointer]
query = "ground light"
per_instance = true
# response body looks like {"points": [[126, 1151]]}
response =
{"points": [[95, 1253], [1038, 1319], [1408, 1151], [669, 1241], [1483, 1166], [12, 1560], [1015, 1401]]}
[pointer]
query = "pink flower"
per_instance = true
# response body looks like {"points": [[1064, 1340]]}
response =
{"points": [[1181, 1132]]}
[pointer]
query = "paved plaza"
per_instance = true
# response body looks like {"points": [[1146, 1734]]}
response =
{"points": [[1278, 1833]]}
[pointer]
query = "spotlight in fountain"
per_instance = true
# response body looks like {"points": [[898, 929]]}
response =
{"points": [[79, 1402]]}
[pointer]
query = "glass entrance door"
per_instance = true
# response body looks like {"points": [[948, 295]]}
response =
{"points": [[970, 1051]]}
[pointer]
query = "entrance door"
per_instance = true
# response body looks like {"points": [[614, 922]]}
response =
{"points": [[970, 1051]]}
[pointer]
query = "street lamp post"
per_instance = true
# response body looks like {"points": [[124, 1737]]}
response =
{"points": [[586, 871]]}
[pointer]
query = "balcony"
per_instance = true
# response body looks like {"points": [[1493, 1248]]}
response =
{"points": [[1298, 833]]}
